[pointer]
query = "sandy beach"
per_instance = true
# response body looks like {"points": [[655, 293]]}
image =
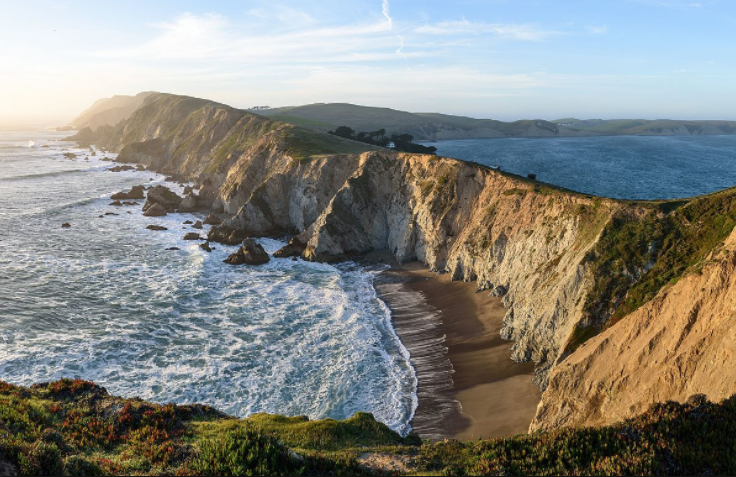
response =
{"points": [[468, 386]]}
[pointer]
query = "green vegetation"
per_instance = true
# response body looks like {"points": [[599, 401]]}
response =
{"points": [[302, 144], [75, 428], [401, 142], [637, 256]]}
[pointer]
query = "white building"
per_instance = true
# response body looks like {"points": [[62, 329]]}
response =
{"points": [[391, 145]]}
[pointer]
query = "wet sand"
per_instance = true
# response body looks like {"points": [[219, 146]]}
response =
{"points": [[468, 385]]}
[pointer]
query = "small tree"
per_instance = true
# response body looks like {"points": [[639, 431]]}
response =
{"points": [[344, 131]]}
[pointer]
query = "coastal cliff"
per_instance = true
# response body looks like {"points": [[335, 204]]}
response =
{"points": [[569, 266]]}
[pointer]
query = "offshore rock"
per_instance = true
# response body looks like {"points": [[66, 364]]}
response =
{"points": [[294, 248], [156, 227], [164, 197], [136, 192], [192, 236], [250, 253], [226, 236], [156, 210], [188, 204]]}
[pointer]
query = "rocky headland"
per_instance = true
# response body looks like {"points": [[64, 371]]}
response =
{"points": [[595, 289]]}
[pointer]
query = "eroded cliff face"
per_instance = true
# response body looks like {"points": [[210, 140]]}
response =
{"points": [[569, 265], [679, 344]]}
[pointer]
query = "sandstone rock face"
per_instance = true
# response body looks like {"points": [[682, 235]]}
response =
{"points": [[679, 344], [250, 253]]}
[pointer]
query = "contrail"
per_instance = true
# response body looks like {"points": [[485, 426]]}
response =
{"points": [[399, 50], [386, 13]]}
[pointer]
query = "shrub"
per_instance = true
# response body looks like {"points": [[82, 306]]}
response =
{"points": [[41, 459], [76, 465], [244, 451]]}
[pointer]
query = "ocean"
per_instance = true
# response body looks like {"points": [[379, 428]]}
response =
{"points": [[623, 167], [105, 301]]}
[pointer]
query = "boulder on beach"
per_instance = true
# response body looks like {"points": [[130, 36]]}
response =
{"points": [[192, 236], [140, 168], [250, 253], [162, 196], [136, 192], [173, 248], [188, 222], [188, 190], [66, 225], [111, 213], [198, 225], [206, 246], [130, 203], [117, 203], [156, 210], [156, 227]]}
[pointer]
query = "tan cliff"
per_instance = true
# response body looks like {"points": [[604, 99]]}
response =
{"points": [[570, 266], [679, 344]]}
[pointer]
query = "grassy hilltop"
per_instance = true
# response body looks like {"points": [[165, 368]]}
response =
{"points": [[75, 428]]}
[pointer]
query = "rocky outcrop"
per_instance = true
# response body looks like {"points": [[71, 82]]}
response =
{"points": [[250, 253]]}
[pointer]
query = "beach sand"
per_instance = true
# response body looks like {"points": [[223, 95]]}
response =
{"points": [[468, 385]]}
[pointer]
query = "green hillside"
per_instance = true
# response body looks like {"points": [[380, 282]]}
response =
{"points": [[649, 127], [423, 126]]}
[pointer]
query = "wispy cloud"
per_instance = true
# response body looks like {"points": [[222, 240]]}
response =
{"points": [[597, 29], [524, 32], [677, 3]]}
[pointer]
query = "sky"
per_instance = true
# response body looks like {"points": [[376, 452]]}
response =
{"points": [[502, 59]]}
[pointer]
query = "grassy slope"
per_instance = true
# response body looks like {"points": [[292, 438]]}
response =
{"points": [[637, 255], [76, 428]]}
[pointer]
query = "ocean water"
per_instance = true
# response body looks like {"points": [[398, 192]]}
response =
{"points": [[105, 301], [625, 167]]}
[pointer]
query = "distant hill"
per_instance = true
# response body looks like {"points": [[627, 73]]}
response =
{"points": [[645, 127], [110, 111], [423, 126]]}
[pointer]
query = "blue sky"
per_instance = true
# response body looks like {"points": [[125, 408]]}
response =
{"points": [[492, 59]]}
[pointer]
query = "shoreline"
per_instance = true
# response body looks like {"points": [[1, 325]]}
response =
{"points": [[468, 386]]}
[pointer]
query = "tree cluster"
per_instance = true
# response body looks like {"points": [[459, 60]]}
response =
{"points": [[402, 142]]}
